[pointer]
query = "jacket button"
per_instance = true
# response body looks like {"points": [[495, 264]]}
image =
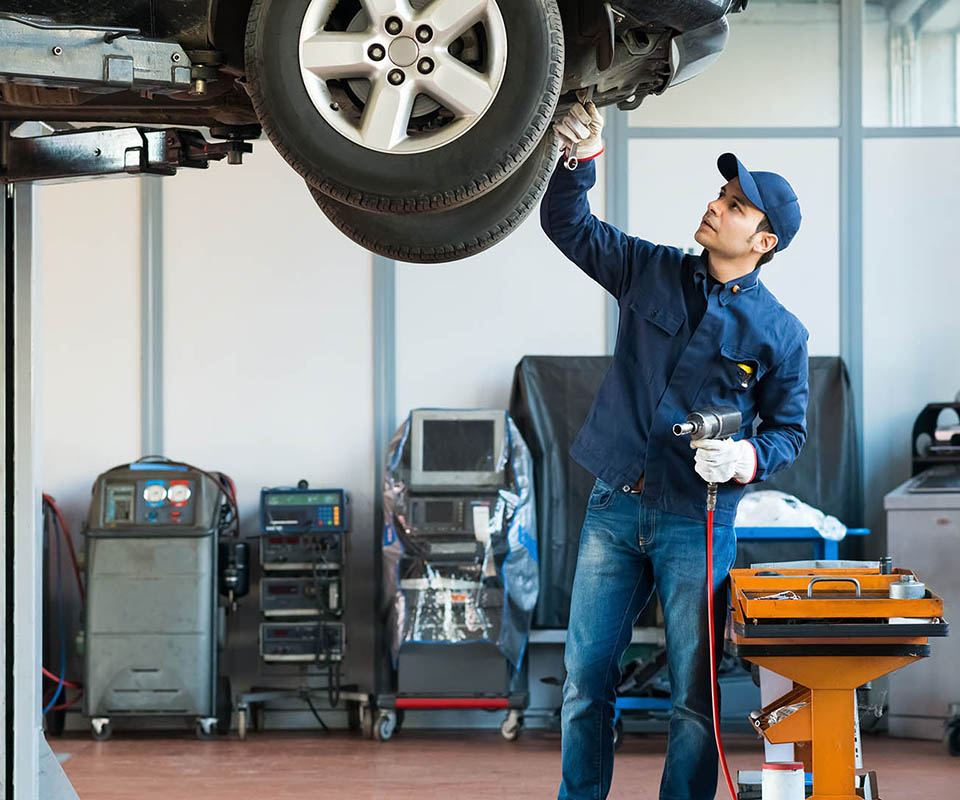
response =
{"points": [[626, 490]]}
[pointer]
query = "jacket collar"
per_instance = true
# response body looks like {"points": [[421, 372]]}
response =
{"points": [[730, 289]]}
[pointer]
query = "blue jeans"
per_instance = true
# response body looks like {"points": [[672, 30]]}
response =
{"points": [[627, 550]]}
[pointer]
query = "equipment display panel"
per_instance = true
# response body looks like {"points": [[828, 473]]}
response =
{"points": [[149, 502], [451, 516], [316, 596], [301, 551], [456, 449], [302, 641], [303, 510]]}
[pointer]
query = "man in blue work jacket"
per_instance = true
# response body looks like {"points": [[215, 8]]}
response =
{"points": [[695, 332]]}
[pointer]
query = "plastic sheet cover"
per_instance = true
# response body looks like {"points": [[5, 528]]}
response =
{"points": [[770, 508], [489, 599]]}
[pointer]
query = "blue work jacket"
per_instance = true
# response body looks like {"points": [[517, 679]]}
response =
{"points": [[683, 343]]}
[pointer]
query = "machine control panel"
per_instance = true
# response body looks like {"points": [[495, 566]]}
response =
{"points": [[301, 551], [466, 550], [294, 510], [451, 516], [302, 641], [301, 597], [150, 501]]}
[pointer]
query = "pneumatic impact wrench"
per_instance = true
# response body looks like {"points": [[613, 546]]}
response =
{"points": [[711, 423], [720, 422]]}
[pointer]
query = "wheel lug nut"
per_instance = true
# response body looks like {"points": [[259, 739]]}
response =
{"points": [[424, 34], [395, 77], [394, 25], [425, 66], [376, 52]]}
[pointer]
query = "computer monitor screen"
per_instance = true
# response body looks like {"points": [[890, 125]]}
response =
{"points": [[458, 445], [456, 448]]}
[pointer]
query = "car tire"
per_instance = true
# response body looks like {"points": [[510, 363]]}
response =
{"points": [[433, 237], [498, 140]]}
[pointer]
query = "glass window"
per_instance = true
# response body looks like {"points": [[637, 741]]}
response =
{"points": [[780, 68], [910, 63]]}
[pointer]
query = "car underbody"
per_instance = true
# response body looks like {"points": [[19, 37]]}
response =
{"points": [[623, 49], [422, 128]]}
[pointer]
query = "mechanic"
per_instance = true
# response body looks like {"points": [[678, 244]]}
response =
{"points": [[695, 331]]}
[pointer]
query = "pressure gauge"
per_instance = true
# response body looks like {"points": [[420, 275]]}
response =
{"points": [[155, 493], [179, 493]]}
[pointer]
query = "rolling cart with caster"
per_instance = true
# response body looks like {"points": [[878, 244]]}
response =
{"points": [[164, 567], [390, 711], [251, 707]]}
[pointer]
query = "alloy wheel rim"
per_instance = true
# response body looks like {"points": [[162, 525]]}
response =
{"points": [[402, 76]]}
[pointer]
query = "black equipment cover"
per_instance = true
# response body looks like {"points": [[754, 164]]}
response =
{"points": [[550, 399]]}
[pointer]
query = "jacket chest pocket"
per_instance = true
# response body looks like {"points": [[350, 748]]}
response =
{"points": [[740, 370], [653, 326], [731, 379]]}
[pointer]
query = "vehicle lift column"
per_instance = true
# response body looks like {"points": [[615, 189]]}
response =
{"points": [[30, 769]]}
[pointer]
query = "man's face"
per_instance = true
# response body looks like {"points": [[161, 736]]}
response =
{"points": [[728, 229]]}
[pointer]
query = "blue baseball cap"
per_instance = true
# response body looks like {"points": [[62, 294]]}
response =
{"points": [[770, 193]]}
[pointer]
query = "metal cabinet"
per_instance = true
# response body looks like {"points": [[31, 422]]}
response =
{"points": [[923, 534]]}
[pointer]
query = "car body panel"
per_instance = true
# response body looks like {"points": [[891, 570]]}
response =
{"points": [[657, 43], [187, 21]]}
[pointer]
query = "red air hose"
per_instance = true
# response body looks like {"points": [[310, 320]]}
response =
{"points": [[711, 502]]}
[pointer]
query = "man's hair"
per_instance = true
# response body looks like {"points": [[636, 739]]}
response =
{"points": [[765, 227]]}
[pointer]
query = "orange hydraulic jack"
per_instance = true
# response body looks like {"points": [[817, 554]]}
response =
{"points": [[829, 631]]}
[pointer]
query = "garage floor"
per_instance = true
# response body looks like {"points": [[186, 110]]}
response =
{"points": [[424, 764]]}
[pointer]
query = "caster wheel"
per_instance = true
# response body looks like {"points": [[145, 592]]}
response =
{"points": [[617, 734], [952, 738], [205, 730], [386, 725], [242, 723], [366, 721], [101, 730], [510, 727]]}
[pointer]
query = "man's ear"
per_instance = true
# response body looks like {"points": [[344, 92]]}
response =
{"points": [[764, 242]]}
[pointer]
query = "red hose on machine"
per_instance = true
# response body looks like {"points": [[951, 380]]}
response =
{"points": [[712, 423], [714, 694]]}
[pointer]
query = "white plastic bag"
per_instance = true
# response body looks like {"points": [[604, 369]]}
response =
{"points": [[769, 508]]}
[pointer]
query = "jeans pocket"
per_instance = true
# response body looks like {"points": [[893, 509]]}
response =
{"points": [[600, 496]]}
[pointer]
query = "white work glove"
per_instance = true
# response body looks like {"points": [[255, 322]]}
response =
{"points": [[581, 125], [719, 460]]}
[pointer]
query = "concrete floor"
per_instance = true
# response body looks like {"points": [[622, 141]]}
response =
{"points": [[426, 765]]}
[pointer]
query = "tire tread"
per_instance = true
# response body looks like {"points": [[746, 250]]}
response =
{"points": [[404, 205], [456, 249]]}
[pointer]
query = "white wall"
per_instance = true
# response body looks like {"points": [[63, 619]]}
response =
{"points": [[462, 327], [910, 277], [267, 333], [781, 67], [268, 358], [671, 182], [86, 263]]}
